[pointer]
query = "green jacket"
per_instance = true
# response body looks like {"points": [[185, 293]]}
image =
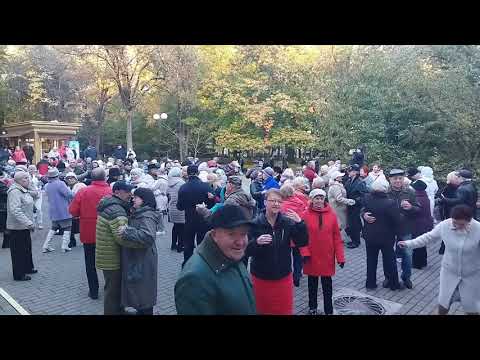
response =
{"points": [[212, 284], [112, 213]]}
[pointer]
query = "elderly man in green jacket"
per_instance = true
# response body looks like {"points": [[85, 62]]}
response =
{"points": [[112, 214], [214, 281]]}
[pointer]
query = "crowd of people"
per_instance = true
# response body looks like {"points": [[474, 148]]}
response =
{"points": [[252, 247]]}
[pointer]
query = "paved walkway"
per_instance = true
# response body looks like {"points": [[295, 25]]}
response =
{"points": [[60, 286]]}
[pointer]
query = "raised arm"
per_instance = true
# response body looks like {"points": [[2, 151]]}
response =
{"points": [[424, 239]]}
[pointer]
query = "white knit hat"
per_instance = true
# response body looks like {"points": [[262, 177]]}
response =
{"points": [[336, 174], [71, 174], [317, 192]]}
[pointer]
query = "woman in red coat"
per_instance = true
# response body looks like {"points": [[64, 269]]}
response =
{"points": [[19, 155], [324, 247]]}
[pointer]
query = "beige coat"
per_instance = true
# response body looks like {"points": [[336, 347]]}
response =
{"points": [[460, 263], [337, 198], [19, 208]]}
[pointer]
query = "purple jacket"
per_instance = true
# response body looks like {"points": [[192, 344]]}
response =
{"points": [[59, 198], [423, 220]]}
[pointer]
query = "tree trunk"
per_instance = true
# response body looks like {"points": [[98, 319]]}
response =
{"points": [[129, 129]]}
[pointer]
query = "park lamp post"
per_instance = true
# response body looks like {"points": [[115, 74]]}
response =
{"points": [[162, 116]]}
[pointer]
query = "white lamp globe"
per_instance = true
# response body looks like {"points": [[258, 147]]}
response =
{"points": [[163, 116], [156, 116]]}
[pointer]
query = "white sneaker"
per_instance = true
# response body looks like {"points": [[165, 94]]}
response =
{"points": [[49, 249], [66, 250], [40, 227]]}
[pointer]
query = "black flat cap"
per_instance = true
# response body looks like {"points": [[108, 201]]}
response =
{"points": [[228, 217], [192, 170], [467, 174], [114, 172], [153, 166], [122, 185], [412, 171], [419, 185], [354, 167]]}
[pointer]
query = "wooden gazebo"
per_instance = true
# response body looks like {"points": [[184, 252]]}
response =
{"points": [[42, 134]]}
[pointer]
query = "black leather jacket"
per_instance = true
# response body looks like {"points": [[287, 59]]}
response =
{"points": [[466, 194], [356, 190], [274, 261]]}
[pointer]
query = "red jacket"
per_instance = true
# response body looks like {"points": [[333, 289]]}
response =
{"points": [[84, 206], [324, 244], [19, 156], [297, 203], [42, 168], [310, 174]]}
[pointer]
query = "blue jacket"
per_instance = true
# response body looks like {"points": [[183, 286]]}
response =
{"points": [[59, 198], [270, 183], [90, 152]]}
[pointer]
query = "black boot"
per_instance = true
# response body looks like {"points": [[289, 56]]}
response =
{"points": [[6, 241], [72, 242]]}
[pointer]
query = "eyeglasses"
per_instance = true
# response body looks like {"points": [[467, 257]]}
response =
{"points": [[279, 202]]}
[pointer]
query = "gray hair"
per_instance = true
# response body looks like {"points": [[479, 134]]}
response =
{"points": [[451, 176], [318, 183], [298, 183], [311, 164], [99, 174], [287, 190], [380, 185]]}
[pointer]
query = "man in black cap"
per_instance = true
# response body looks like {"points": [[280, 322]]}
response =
{"points": [[112, 214], [215, 281], [152, 173], [356, 190], [406, 200], [113, 175], [191, 194], [466, 192]]}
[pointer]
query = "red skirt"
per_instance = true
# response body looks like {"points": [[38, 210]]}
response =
{"points": [[274, 297]]}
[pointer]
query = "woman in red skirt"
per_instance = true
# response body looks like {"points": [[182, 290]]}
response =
{"points": [[269, 247]]}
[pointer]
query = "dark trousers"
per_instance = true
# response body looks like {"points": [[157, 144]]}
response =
{"points": [[297, 264], [89, 250], [148, 311], [177, 235], [74, 230], [327, 293], [6, 239], [419, 258], [113, 294], [389, 264], [21, 252], [354, 224], [192, 229]]}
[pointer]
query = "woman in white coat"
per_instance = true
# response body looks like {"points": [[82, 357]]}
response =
{"points": [[337, 198], [432, 186], [460, 270]]}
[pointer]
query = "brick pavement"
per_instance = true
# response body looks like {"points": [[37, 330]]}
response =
{"points": [[60, 286]]}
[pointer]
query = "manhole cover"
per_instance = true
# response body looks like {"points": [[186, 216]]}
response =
{"points": [[357, 305]]}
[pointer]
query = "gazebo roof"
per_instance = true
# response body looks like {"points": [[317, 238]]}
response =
{"points": [[43, 127]]}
